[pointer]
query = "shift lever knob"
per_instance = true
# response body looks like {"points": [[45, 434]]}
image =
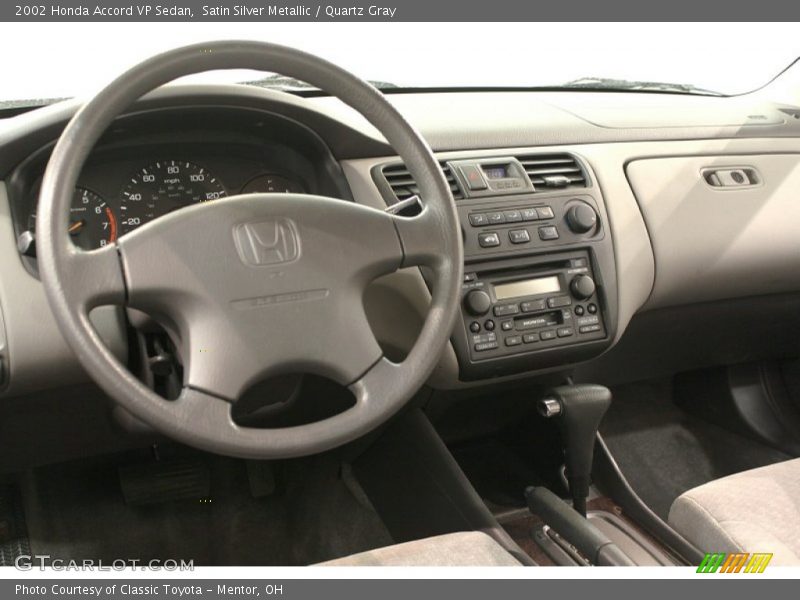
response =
{"points": [[579, 410]]}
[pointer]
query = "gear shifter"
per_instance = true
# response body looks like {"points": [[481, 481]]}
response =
{"points": [[579, 410]]}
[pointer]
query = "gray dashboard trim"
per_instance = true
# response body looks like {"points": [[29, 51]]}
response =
{"points": [[720, 243]]}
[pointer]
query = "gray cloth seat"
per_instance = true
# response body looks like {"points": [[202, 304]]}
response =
{"points": [[464, 549], [752, 511]]}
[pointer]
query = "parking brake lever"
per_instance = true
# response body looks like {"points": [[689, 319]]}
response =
{"points": [[581, 533]]}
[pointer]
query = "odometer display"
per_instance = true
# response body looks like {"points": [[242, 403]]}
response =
{"points": [[163, 187]]}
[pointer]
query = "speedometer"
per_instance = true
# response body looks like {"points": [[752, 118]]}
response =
{"points": [[163, 187]]}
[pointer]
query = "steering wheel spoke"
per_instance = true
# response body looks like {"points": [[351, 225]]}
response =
{"points": [[92, 278], [421, 237]]}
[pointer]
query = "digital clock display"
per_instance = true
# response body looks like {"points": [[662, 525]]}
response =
{"points": [[496, 171]]}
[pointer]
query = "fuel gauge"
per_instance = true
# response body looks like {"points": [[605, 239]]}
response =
{"points": [[272, 184]]}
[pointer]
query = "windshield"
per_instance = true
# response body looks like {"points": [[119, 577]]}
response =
{"points": [[50, 60]]}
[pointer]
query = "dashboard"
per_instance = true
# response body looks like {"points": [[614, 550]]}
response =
{"points": [[656, 235]]}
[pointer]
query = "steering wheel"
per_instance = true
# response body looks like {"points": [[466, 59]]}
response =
{"points": [[253, 286]]}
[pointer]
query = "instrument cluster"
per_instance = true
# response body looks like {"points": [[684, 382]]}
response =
{"points": [[112, 199]]}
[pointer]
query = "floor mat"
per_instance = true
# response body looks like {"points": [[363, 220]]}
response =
{"points": [[13, 532], [76, 511], [663, 451]]}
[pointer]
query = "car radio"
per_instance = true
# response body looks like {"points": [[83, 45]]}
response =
{"points": [[508, 311]]}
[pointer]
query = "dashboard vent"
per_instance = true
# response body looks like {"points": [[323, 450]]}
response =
{"points": [[403, 185], [553, 170]]}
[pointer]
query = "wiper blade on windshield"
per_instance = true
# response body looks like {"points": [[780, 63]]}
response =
{"points": [[606, 83], [290, 84]]}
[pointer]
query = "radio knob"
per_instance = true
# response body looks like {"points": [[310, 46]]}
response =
{"points": [[581, 218], [478, 302], [582, 287]]}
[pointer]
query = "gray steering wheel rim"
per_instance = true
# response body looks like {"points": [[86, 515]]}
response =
{"points": [[197, 419]]}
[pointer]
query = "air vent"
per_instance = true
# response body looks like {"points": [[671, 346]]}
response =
{"points": [[553, 170], [403, 185]]}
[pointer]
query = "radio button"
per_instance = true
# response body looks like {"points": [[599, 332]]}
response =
{"points": [[579, 310], [514, 340], [484, 337], [488, 240], [559, 301], [548, 233], [489, 325], [581, 218], [474, 327], [496, 218], [519, 236], [548, 335], [530, 338], [483, 347], [578, 263], [590, 320], [582, 287], [512, 216], [529, 214], [565, 331], [478, 220], [533, 305], [477, 302], [592, 308], [503, 310], [589, 328], [545, 212], [507, 325]]}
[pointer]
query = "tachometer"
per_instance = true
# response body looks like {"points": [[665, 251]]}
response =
{"points": [[163, 187], [92, 223]]}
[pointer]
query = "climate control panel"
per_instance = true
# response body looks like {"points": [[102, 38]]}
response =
{"points": [[529, 224]]}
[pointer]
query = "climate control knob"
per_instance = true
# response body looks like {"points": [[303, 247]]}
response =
{"points": [[582, 287], [478, 302], [581, 218]]}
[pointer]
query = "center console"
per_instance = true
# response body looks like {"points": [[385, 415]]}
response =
{"points": [[539, 287]]}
